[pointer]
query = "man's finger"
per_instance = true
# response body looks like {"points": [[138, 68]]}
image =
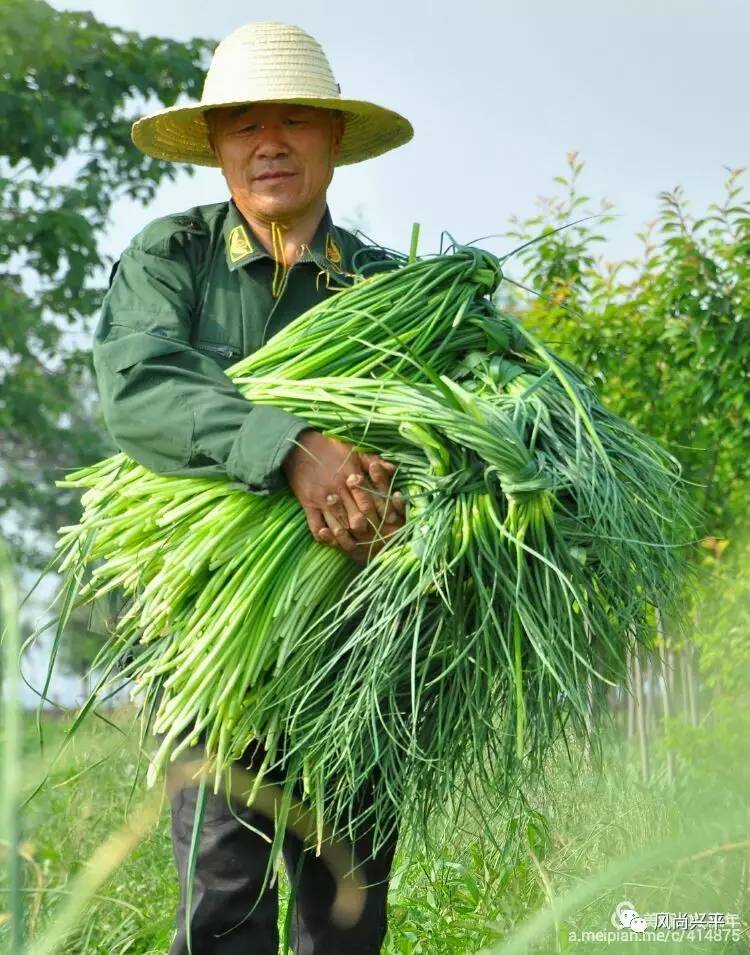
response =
{"points": [[382, 477], [314, 520], [378, 494], [341, 535], [318, 527], [356, 521], [336, 506], [364, 500], [399, 503], [368, 459]]}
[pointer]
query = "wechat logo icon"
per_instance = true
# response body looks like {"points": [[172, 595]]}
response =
{"points": [[625, 916]]}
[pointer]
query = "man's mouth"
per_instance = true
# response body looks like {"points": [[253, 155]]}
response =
{"points": [[271, 176]]}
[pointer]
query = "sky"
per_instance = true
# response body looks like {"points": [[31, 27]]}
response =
{"points": [[650, 93]]}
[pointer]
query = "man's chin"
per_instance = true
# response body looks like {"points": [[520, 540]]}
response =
{"points": [[277, 208]]}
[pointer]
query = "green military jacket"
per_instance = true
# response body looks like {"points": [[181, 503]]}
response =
{"points": [[191, 295]]}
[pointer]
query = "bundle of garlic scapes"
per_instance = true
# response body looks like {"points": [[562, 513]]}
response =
{"points": [[539, 537]]}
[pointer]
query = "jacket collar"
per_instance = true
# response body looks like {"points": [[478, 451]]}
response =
{"points": [[243, 246]]}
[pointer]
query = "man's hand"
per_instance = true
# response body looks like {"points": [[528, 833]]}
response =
{"points": [[346, 496]]}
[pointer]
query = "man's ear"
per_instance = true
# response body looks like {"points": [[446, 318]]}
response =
{"points": [[338, 131], [208, 120]]}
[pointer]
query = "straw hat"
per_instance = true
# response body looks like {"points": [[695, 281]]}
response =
{"points": [[269, 62]]}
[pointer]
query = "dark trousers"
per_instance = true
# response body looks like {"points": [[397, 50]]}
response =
{"points": [[232, 914]]}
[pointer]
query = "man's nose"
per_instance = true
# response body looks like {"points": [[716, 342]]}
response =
{"points": [[271, 143]]}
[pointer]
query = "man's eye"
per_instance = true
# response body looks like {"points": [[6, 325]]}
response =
{"points": [[250, 128], [294, 122]]}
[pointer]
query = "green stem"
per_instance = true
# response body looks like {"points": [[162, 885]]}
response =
{"points": [[518, 678], [414, 241]]}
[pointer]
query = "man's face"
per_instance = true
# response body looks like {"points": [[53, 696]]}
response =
{"points": [[277, 158]]}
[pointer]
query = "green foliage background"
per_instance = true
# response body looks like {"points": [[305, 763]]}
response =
{"points": [[69, 89], [666, 335]]}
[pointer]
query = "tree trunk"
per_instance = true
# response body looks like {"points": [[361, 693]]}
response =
{"points": [[666, 688], [590, 701], [691, 696], [631, 695], [640, 716]]}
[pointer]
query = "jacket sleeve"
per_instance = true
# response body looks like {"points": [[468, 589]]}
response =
{"points": [[168, 405]]}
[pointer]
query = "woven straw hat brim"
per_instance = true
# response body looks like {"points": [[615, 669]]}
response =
{"points": [[180, 133]]}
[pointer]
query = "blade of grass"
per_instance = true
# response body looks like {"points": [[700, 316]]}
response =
{"points": [[108, 857], [12, 744], [195, 838]]}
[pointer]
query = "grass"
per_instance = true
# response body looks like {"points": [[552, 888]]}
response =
{"points": [[468, 897]]}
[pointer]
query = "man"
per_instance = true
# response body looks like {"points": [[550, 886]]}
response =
{"points": [[191, 295]]}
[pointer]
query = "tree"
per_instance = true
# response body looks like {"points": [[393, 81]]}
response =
{"points": [[666, 335], [70, 88]]}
